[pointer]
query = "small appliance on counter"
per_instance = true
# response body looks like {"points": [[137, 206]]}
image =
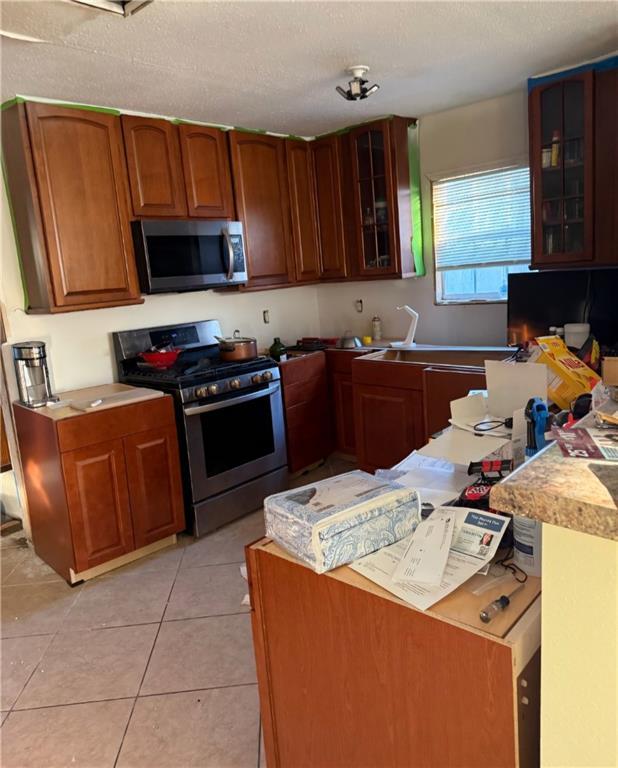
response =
{"points": [[229, 416], [30, 361]]}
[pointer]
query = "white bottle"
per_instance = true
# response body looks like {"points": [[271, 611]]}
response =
{"points": [[376, 328]]}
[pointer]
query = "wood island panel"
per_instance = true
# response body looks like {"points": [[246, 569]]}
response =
{"points": [[348, 678]]}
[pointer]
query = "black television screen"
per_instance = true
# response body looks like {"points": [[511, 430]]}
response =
{"points": [[538, 300]]}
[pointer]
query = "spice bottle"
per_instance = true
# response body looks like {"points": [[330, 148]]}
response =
{"points": [[555, 149], [278, 350], [376, 328]]}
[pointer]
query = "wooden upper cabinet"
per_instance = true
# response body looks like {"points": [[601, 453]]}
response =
{"points": [[303, 210], [561, 116], [206, 166], [156, 491], [606, 167], [155, 167], [382, 198], [262, 202], [98, 501], [326, 155], [76, 247]]}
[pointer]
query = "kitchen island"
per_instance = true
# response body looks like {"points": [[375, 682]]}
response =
{"points": [[577, 500]]}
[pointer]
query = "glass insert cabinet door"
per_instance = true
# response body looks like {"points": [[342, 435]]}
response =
{"points": [[373, 199], [562, 156]]}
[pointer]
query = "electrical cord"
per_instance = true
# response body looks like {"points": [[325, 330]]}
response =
{"points": [[487, 426], [518, 574]]}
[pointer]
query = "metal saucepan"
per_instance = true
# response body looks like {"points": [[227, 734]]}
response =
{"points": [[236, 348]]}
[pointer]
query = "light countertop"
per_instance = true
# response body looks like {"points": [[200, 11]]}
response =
{"points": [[113, 395]]}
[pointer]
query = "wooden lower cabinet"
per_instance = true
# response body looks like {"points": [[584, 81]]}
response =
{"points": [[388, 422], [98, 500], [440, 387], [339, 367], [308, 414], [100, 485], [350, 676], [156, 492]]}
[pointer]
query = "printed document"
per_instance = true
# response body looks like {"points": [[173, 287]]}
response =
{"points": [[475, 539], [427, 552]]}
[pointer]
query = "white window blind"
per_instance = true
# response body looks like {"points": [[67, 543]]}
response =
{"points": [[482, 219]]}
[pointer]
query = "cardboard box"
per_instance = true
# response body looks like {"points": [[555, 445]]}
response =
{"points": [[610, 371], [568, 376]]}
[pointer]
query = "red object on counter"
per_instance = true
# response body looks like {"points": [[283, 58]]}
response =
{"points": [[161, 359]]}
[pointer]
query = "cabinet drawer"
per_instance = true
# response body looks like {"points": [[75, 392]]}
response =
{"points": [[114, 423]]}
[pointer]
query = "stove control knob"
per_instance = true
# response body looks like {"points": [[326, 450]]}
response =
{"points": [[267, 376], [235, 384], [213, 389], [256, 378], [201, 392]]}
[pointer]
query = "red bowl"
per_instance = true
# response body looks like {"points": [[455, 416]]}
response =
{"points": [[161, 359]]}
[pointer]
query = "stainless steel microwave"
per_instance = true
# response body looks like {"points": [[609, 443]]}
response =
{"points": [[188, 255]]}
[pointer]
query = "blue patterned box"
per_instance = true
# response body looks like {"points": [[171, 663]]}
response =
{"points": [[337, 520]]}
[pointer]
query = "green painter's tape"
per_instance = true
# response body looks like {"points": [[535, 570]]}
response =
{"points": [[11, 102], [415, 200], [88, 108], [14, 224]]}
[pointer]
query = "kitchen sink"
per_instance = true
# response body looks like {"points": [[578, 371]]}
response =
{"points": [[430, 354]]}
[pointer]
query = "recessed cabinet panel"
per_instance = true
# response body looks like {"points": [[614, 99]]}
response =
{"points": [[155, 487], [98, 501], [206, 166], [303, 210], [262, 202], [155, 167], [327, 172], [77, 158]]}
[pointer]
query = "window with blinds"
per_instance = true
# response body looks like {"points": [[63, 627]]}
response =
{"points": [[481, 233]]}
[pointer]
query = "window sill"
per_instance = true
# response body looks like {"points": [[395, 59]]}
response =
{"points": [[466, 302]]}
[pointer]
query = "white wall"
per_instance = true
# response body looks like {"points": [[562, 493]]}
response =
{"points": [[79, 344], [466, 138]]}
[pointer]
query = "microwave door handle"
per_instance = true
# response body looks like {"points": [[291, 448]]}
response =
{"points": [[230, 253], [270, 390]]}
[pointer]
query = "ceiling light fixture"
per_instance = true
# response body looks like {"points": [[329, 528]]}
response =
{"points": [[120, 7], [358, 85]]}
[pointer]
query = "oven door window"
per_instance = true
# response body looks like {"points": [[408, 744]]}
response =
{"points": [[185, 255], [237, 435]]}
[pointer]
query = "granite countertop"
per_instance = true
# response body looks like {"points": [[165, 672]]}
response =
{"points": [[579, 494]]}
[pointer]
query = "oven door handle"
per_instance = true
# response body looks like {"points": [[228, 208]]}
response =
{"points": [[270, 390], [230, 253]]}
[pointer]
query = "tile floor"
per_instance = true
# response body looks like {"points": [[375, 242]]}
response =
{"points": [[150, 665]]}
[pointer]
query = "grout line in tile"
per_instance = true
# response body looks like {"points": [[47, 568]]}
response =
{"points": [[69, 704], [34, 634], [208, 616], [196, 690], [126, 728], [212, 565], [34, 669]]}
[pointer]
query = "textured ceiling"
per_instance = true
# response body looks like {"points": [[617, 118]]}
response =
{"points": [[274, 65]]}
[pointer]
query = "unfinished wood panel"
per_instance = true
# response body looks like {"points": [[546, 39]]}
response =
{"points": [[349, 679]]}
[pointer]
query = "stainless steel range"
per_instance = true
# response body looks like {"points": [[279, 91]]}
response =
{"points": [[229, 416]]}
